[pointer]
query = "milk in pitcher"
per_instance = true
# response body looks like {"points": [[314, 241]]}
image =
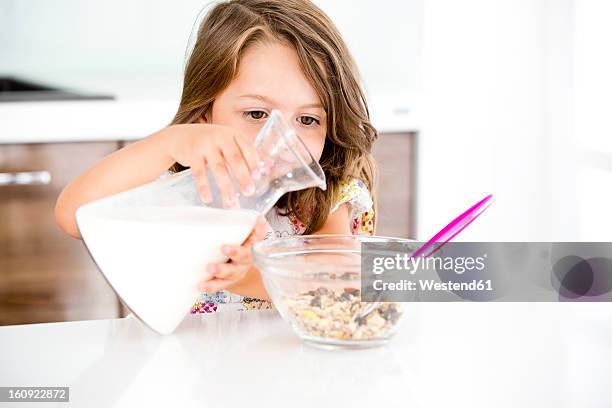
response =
{"points": [[154, 256]]}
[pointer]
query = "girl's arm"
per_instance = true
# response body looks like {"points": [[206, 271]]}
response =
{"points": [[135, 164], [252, 284], [199, 146]]}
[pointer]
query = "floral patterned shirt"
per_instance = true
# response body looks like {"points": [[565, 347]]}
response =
{"points": [[361, 210]]}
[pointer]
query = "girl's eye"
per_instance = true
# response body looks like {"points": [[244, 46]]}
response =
{"points": [[308, 120], [255, 114]]}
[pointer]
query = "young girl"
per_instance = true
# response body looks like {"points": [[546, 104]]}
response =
{"points": [[252, 56]]}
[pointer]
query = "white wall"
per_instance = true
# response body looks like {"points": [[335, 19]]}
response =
{"points": [[126, 37], [482, 129], [592, 110], [95, 36], [517, 104]]}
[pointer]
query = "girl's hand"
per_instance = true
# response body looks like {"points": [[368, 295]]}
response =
{"points": [[223, 275], [218, 148]]}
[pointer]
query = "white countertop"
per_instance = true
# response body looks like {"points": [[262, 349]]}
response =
{"points": [[143, 105], [445, 355]]}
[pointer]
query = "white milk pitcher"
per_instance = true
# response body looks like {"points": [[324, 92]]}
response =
{"points": [[152, 243]]}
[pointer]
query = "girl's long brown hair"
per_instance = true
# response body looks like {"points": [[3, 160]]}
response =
{"points": [[225, 33]]}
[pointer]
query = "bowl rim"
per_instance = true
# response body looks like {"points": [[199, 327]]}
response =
{"points": [[261, 259]]}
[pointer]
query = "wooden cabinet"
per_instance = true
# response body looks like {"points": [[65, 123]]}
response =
{"points": [[395, 155], [45, 275]]}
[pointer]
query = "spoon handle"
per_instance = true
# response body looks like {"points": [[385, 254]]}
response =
{"points": [[446, 234], [454, 227]]}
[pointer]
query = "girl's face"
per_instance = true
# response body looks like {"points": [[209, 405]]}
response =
{"points": [[269, 77]]}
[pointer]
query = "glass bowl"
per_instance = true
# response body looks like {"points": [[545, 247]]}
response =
{"points": [[315, 283]]}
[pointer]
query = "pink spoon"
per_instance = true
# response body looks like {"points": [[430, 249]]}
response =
{"points": [[442, 237], [454, 227]]}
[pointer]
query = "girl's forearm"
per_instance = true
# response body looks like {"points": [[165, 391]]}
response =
{"points": [[251, 285], [135, 164]]}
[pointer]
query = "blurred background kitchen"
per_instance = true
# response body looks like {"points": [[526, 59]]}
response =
{"points": [[509, 97]]}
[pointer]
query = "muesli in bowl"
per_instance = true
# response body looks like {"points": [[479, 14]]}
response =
{"points": [[315, 281]]}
